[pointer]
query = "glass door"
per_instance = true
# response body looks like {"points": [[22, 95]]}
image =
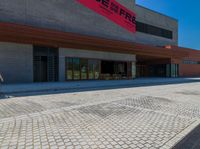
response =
{"points": [[172, 70]]}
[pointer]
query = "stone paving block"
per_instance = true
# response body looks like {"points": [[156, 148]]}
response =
{"points": [[106, 119]]}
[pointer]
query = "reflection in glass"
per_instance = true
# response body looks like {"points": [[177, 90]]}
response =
{"points": [[96, 69], [93, 69], [82, 69], [76, 66], [83, 64], [90, 70], [69, 66]]}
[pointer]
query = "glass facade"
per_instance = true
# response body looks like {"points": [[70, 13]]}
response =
{"points": [[172, 70], [158, 70], [82, 69], [69, 69], [93, 69], [192, 62], [76, 69], [115, 70]]}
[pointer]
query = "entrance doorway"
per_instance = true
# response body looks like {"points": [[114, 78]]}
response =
{"points": [[45, 64], [43, 74], [158, 70], [149, 66]]}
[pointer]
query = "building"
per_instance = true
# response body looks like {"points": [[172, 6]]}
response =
{"points": [[48, 40]]}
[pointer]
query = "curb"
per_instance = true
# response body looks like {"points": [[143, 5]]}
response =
{"points": [[177, 138]]}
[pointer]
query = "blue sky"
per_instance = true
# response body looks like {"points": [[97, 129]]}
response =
{"points": [[188, 14]]}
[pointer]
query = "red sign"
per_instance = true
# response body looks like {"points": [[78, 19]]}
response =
{"points": [[114, 11]]}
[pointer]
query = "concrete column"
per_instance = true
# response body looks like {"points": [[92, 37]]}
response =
{"points": [[133, 70], [61, 68]]}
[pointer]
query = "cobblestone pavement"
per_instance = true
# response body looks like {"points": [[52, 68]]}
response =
{"points": [[129, 118]]}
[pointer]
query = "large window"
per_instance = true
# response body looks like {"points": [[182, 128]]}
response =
{"points": [[172, 70], [94, 69], [69, 68], [153, 30], [76, 68], [191, 62], [82, 69], [114, 70], [96, 65]]}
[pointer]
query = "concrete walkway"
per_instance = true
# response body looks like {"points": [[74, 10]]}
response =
{"points": [[149, 117], [90, 85]]}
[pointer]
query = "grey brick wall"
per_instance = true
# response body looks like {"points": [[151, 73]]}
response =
{"points": [[70, 16], [16, 62]]}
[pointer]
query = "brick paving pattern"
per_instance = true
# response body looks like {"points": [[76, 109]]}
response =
{"points": [[133, 118]]}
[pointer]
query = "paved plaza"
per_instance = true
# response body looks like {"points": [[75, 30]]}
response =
{"points": [[146, 117]]}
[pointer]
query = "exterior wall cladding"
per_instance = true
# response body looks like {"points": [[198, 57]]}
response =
{"points": [[16, 60], [70, 16]]}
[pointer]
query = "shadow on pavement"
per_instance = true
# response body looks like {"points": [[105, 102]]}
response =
{"points": [[82, 86], [191, 141]]}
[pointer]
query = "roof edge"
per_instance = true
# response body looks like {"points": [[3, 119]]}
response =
{"points": [[162, 14]]}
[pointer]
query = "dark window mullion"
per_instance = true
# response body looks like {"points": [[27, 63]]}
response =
{"points": [[153, 30]]}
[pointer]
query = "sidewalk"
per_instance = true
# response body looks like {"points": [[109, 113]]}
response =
{"points": [[155, 117], [91, 85]]}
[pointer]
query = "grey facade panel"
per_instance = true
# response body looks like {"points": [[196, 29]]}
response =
{"points": [[156, 19], [70, 16], [153, 40], [63, 52], [16, 62]]}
